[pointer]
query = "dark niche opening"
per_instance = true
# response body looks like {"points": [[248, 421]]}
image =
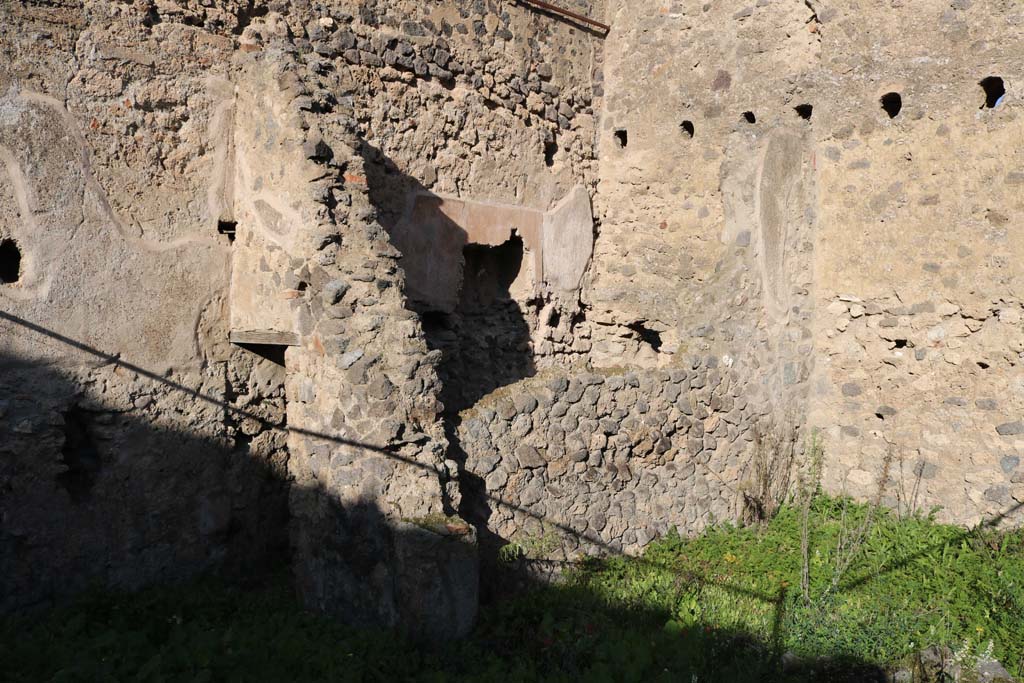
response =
{"points": [[983, 365], [550, 148], [247, 14], [79, 455], [488, 272], [749, 117], [227, 228], [485, 340], [435, 321], [621, 137], [892, 103], [151, 18], [994, 91], [10, 262], [900, 343], [804, 111], [648, 336], [687, 128]]}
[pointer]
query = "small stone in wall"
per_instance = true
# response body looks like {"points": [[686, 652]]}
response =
{"points": [[558, 385], [999, 493], [349, 359], [1010, 428], [506, 409], [836, 308], [496, 479], [381, 387], [926, 470], [986, 404], [922, 307], [524, 403], [789, 373], [851, 389], [529, 457], [334, 291], [884, 412], [861, 479], [1010, 316], [521, 426], [1009, 463]]}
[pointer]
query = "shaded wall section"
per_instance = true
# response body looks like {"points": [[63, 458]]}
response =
{"points": [[122, 461]]}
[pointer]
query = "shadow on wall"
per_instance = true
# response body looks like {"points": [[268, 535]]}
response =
{"points": [[484, 338], [52, 546], [94, 495], [98, 498]]}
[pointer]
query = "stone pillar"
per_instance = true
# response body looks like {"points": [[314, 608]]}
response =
{"points": [[373, 533]]}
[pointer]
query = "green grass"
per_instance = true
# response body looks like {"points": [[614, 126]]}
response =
{"points": [[720, 607], [914, 583]]}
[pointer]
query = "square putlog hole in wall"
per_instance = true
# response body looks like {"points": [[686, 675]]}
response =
{"points": [[686, 127], [621, 138], [749, 117], [227, 228], [550, 149], [804, 111], [892, 103], [10, 262], [995, 91]]}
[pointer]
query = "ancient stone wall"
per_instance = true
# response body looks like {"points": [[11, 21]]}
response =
{"points": [[803, 220], [917, 282], [770, 172], [489, 102], [599, 462], [263, 139], [365, 440], [137, 444]]}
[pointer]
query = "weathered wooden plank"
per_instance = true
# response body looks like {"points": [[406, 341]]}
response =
{"points": [[263, 337]]}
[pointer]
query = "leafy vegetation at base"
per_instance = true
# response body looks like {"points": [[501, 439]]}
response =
{"points": [[912, 583], [726, 606]]}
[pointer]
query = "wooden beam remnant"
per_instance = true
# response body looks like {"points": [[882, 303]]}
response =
{"points": [[566, 13], [263, 337]]}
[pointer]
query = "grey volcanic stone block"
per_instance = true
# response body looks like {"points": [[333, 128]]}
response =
{"points": [[1010, 428], [528, 457]]}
